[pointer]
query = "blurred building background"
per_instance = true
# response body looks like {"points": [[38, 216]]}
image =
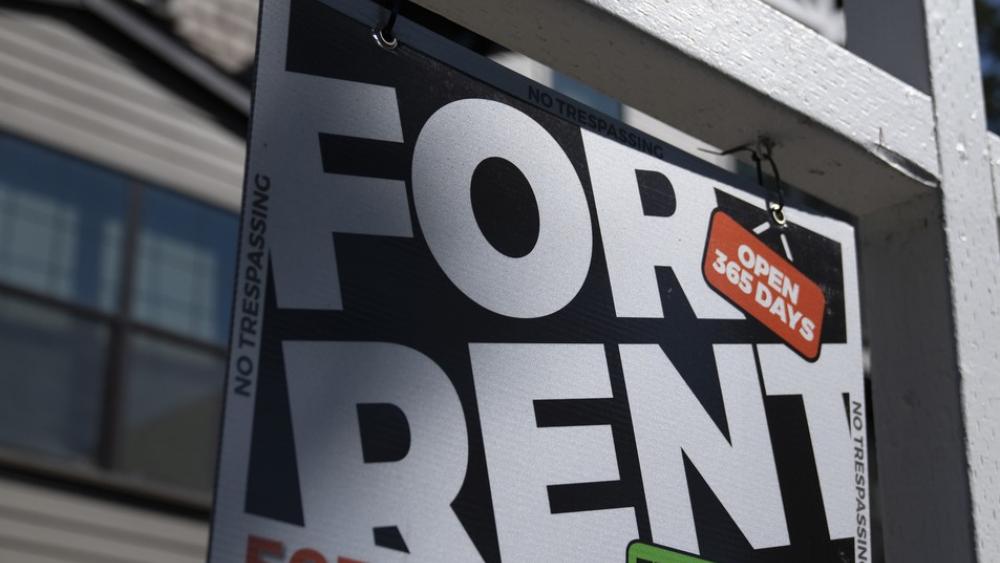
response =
{"points": [[122, 129], [121, 158]]}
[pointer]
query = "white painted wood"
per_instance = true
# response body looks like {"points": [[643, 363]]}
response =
{"points": [[925, 499], [973, 247], [924, 508], [725, 72]]}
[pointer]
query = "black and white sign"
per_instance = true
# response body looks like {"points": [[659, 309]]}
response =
{"points": [[472, 323]]}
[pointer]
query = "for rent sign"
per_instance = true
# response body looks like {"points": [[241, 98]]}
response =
{"points": [[476, 320]]}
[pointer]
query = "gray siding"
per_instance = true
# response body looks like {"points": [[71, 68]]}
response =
{"points": [[62, 88], [40, 525]]}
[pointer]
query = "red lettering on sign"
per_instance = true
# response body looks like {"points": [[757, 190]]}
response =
{"points": [[308, 556], [258, 547], [764, 285]]}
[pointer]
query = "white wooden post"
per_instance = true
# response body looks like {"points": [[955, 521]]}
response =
{"points": [[973, 251]]}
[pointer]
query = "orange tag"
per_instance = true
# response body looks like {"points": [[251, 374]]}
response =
{"points": [[764, 285]]}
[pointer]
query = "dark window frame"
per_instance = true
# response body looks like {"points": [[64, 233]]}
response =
{"points": [[103, 474]]}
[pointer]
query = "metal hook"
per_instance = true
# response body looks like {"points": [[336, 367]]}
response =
{"points": [[383, 36], [777, 212], [776, 208], [761, 151]]}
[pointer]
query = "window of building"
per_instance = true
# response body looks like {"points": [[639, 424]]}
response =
{"points": [[114, 314], [61, 224], [171, 409], [185, 264], [51, 379]]}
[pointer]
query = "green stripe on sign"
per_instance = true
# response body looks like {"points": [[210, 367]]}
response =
{"points": [[639, 552]]}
